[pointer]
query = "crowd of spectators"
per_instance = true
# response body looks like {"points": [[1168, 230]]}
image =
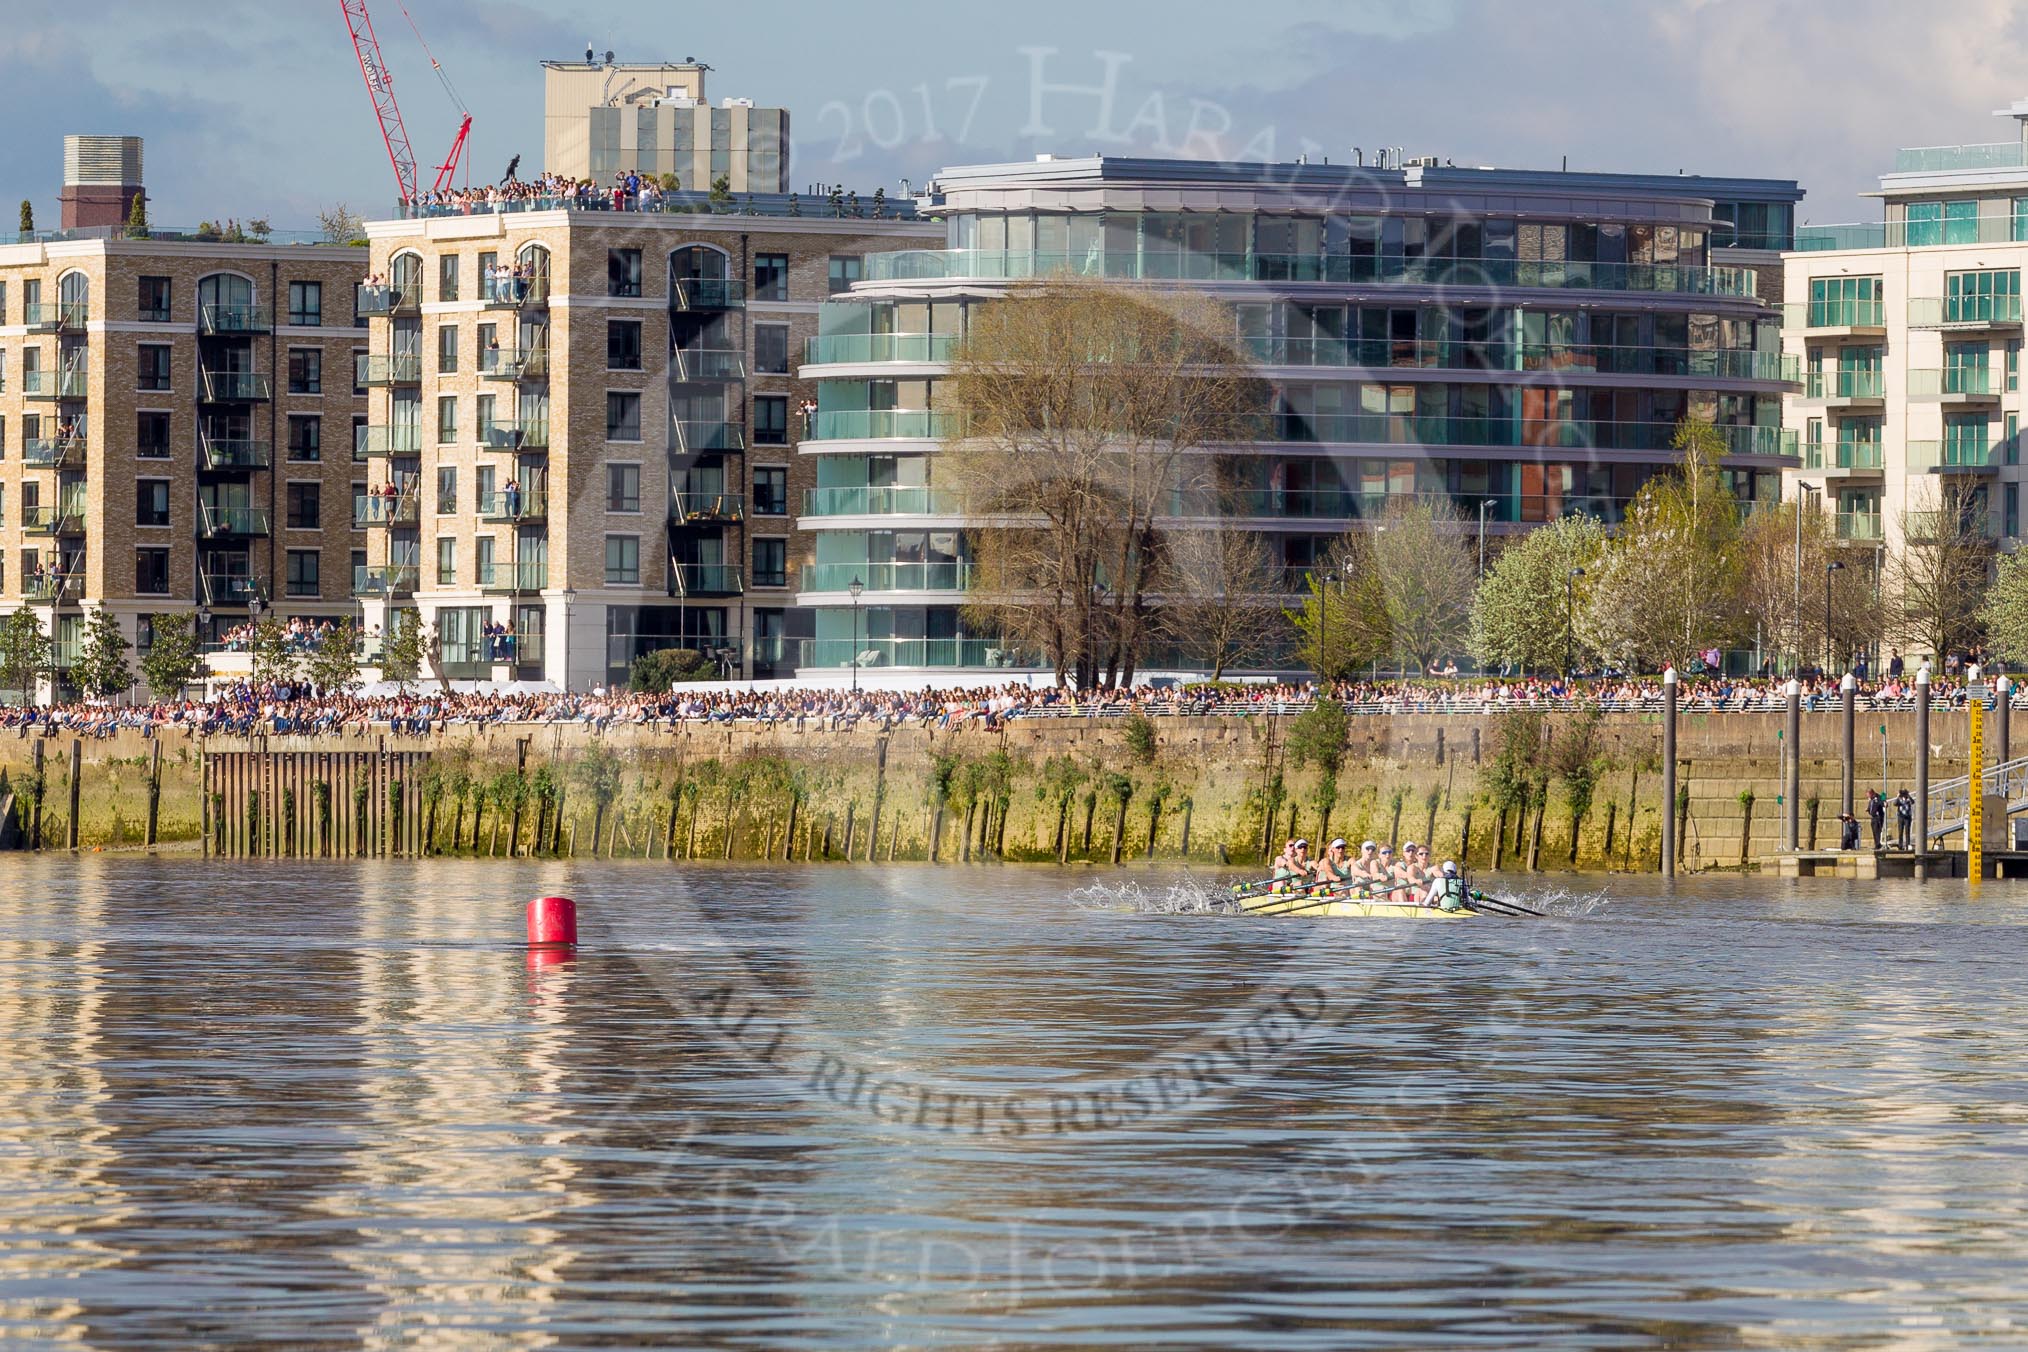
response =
{"points": [[298, 636], [297, 709]]}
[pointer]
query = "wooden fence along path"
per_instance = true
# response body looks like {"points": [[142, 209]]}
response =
{"points": [[314, 804]]}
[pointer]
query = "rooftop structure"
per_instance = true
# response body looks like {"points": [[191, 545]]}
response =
{"points": [[602, 118]]}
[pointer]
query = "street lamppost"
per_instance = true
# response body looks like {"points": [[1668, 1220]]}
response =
{"points": [[1324, 622], [1569, 613], [1489, 502], [1803, 492], [1832, 567], [856, 588]]}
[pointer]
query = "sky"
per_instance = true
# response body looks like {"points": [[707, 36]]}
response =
{"points": [[256, 107]]}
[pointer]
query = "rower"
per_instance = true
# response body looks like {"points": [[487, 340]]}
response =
{"points": [[1387, 875], [1446, 890], [1334, 867], [1284, 866], [1366, 867], [1411, 866]]}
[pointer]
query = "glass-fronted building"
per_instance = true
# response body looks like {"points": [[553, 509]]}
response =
{"points": [[1522, 345]]}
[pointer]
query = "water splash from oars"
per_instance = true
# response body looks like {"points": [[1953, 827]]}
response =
{"points": [[1189, 896]]}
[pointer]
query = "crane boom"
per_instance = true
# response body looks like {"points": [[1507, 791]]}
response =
{"points": [[380, 86]]}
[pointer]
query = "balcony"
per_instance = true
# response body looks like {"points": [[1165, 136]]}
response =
{"points": [[390, 581], [228, 590], [55, 384], [1964, 313], [53, 452], [711, 435], [1944, 159], [514, 293], [375, 511], [55, 316], [906, 652], [886, 577], [66, 518], [886, 500], [228, 455], [1493, 357], [1859, 527], [232, 387], [522, 507], [370, 443], [707, 509], [512, 579], [852, 349], [377, 301], [1408, 429], [708, 363], [53, 589], [1951, 457], [1844, 459], [226, 523], [706, 293], [877, 424], [1930, 526], [706, 579], [924, 265], [1837, 319], [403, 368], [1955, 384], [514, 434], [515, 364], [1845, 388], [219, 321]]}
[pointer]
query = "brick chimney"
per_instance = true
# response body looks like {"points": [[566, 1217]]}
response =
{"points": [[101, 179]]}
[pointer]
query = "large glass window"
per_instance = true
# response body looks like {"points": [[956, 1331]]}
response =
{"points": [[771, 420], [306, 436], [845, 269], [151, 435], [304, 505], [306, 303], [151, 502], [770, 562], [623, 344], [151, 571], [623, 272], [154, 363], [770, 490], [154, 300], [303, 572], [1965, 439], [1846, 302], [623, 416], [771, 276], [306, 370], [1982, 297], [771, 349], [623, 560], [623, 488]]}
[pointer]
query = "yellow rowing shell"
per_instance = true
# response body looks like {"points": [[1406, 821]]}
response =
{"points": [[1348, 908]]}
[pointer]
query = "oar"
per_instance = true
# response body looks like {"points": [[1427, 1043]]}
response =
{"points": [[1271, 898], [1500, 907], [1324, 900]]}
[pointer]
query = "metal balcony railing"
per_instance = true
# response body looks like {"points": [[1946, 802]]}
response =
{"points": [[508, 293], [55, 316], [72, 384], [65, 518], [376, 510], [53, 589], [698, 363], [712, 435], [228, 589]]}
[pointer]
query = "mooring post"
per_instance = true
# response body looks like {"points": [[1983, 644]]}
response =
{"points": [[1848, 691], [1669, 772], [1922, 772], [1792, 782], [2003, 698], [154, 785], [76, 774]]}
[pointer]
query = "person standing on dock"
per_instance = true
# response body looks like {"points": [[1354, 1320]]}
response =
{"points": [[1904, 814], [1876, 813]]}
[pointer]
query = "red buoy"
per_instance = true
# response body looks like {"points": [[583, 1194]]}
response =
{"points": [[552, 923]]}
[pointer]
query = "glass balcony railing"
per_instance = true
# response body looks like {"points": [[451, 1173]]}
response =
{"points": [[706, 579], [509, 363], [1932, 382], [709, 435], [708, 364], [217, 522], [1407, 429], [232, 454], [53, 452], [389, 581], [520, 504], [848, 348], [497, 293], [884, 500], [514, 434], [372, 442], [65, 518], [374, 301], [1859, 526], [53, 588], [872, 424], [706, 293], [1580, 358], [377, 510], [1841, 455], [906, 652], [513, 577], [213, 320], [1842, 314], [707, 509], [402, 368], [1929, 526], [917, 265], [1927, 456], [1942, 159], [43, 316], [56, 384], [227, 589], [1964, 312], [884, 577], [1845, 384], [232, 387]]}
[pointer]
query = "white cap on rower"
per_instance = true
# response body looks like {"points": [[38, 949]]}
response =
{"points": [[1450, 869], [1368, 845], [1338, 844]]}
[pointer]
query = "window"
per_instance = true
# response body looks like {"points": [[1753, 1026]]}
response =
{"points": [[144, 633], [1845, 302], [623, 272], [771, 276], [623, 344], [358, 569], [302, 577], [304, 501], [623, 488], [770, 491], [845, 270], [1982, 297], [306, 303], [306, 371], [623, 416], [482, 558], [771, 349], [151, 502], [447, 489], [358, 438], [447, 419], [151, 436], [771, 420], [447, 561], [447, 277], [770, 563], [306, 437], [623, 560], [154, 364], [447, 349], [359, 370], [151, 571], [2013, 444], [153, 304]]}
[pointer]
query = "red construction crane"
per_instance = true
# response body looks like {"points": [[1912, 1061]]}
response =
{"points": [[380, 87]]}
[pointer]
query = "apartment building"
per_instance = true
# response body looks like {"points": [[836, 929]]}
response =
{"points": [[1520, 345], [589, 421], [176, 422], [1910, 331], [602, 118]]}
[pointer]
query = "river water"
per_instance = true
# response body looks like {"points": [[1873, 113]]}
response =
{"points": [[333, 1105]]}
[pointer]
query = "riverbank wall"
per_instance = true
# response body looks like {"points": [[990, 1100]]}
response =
{"points": [[1104, 791]]}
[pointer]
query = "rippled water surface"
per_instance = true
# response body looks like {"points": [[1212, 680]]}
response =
{"points": [[326, 1105]]}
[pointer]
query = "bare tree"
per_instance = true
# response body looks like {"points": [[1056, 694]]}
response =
{"points": [[1936, 578], [1076, 412], [1784, 558], [1216, 592], [340, 224]]}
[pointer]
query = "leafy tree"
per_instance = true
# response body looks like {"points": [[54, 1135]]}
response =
{"points": [[665, 667], [24, 651], [101, 668], [404, 649], [2005, 612], [1426, 576], [333, 665], [173, 660], [1318, 737], [137, 217], [669, 182], [1343, 624], [27, 217], [880, 204], [273, 659], [1140, 739], [600, 773], [721, 192], [1519, 615]]}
